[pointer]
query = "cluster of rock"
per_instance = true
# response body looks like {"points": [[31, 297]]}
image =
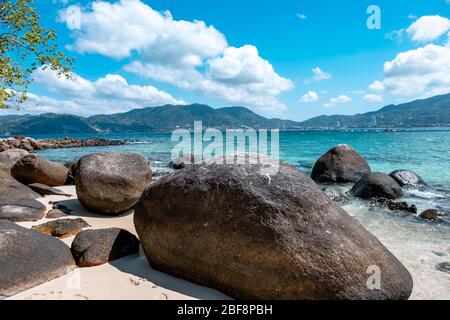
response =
{"points": [[223, 226], [342, 164], [30, 144], [108, 183]]}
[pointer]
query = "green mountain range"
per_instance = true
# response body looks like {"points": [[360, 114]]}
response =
{"points": [[429, 112]]}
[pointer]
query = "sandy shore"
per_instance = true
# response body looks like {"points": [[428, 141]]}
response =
{"points": [[128, 278], [132, 277]]}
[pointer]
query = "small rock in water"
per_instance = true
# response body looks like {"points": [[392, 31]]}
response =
{"points": [[181, 162], [62, 228], [55, 214], [96, 247], [377, 185], [45, 190], [394, 206], [444, 267], [341, 164], [431, 214], [408, 178], [334, 195]]}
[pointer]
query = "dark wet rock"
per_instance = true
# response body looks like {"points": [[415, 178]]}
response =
{"points": [[444, 267], [431, 214], [34, 169], [29, 258], [55, 214], [334, 195], [72, 166], [408, 178], [341, 164], [377, 185], [62, 228], [394, 206], [61, 207], [181, 162], [112, 183], [20, 210], [11, 189], [96, 247], [9, 158], [45, 190], [254, 236]]}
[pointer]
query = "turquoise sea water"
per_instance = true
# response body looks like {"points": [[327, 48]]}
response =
{"points": [[418, 244], [423, 151]]}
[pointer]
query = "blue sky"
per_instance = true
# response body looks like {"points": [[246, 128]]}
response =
{"points": [[259, 54]]}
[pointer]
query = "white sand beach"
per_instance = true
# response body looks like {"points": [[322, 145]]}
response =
{"points": [[132, 278]]}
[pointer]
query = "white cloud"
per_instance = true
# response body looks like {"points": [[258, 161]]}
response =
{"points": [[341, 99], [428, 28], [301, 16], [421, 72], [377, 86], [109, 94], [189, 55], [373, 97], [310, 96], [319, 75]]}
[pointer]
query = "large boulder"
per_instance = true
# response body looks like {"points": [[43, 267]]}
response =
{"points": [[21, 210], [28, 258], [34, 169], [111, 183], [408, 178], [341, 164], [377, 185], [9, 158], [96, 247], [255, 236], [11, 189]]}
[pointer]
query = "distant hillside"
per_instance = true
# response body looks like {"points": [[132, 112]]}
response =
{"points": [[429, 112], [165, 118]]}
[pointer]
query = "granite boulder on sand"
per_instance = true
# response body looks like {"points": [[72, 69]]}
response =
{"points": [[255, 236], [341, 164], [62, 228], [34, 169], [111, 183], [9, 158], [96, 247], [29, 258]]}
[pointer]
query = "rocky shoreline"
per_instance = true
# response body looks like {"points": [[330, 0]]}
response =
{"points": [[30, 144], [226, 227]]}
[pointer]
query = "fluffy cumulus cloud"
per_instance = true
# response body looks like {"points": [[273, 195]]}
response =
{"points": [[310, 96], [109, 94], [428, 28], [420, 72], [188, 54], [341, 99]]}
